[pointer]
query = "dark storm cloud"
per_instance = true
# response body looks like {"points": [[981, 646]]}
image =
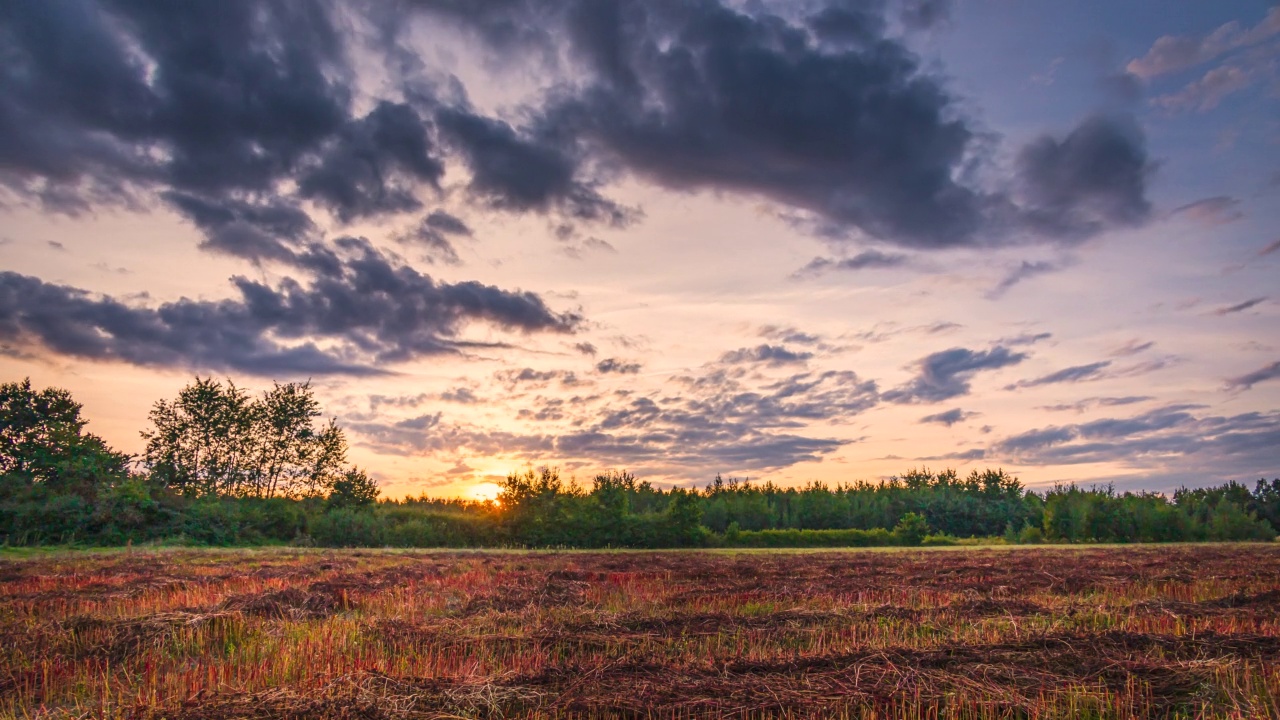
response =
{"points": [[264, 230], [924, 14], [442, 221], [373, 165], [1172, 438], [515, 172], [1093, 178], [253, 104], [948, 418], [1078, 373], [614, 365], [945, 375], [369, 311], [1247, 381], [824, 113], [766, 354], [1240, 307]]}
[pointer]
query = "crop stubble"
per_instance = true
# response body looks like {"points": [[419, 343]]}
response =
{"points": [[1151, 631]]}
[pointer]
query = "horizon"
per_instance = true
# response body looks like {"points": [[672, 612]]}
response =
{"points": [[799, 242]]}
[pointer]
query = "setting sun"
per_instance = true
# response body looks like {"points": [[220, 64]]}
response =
{"points": [[484, 491]]}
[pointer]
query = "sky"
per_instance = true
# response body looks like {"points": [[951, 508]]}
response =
{"points": [[790, 241]]}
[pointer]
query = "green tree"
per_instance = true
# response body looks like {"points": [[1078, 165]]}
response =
{"points": [[911, 529], [215, 440], [43, 442], [353, 489]]}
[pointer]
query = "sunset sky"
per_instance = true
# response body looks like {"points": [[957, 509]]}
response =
{"points": [[791, 241]]}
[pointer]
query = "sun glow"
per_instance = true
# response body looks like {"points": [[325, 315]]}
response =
{"points": [[484, 491]]}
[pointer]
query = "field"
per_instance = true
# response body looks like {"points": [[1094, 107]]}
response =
{"points": [[1118, 632]]}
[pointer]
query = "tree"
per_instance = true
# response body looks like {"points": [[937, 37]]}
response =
{"points": [[353, 489], [215, 440], [43, 442], [911, 529]]}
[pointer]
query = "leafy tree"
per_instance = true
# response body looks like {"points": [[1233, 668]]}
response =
{"points": [[43, 442], [353, 489], [215, 440], [911, 529]]}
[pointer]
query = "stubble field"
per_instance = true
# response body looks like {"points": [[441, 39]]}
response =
{"points": [[1172, 631]]}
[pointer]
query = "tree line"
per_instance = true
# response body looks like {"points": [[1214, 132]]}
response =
{"points": [[224, 467]]}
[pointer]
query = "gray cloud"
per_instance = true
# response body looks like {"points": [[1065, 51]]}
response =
{"points": [[1078, 373], [1172, 438], [861, 261], [766, 354], [1089, 403], [522, 173], [716, 423], [375, 312], [948, 418], [827, 115], [614, 365], [945, 375], [1247, 381], [1218, 210], [1269, 249], [1171, 53], [1092, 179], [1133, 347], [1023, 272], [1240, 306]]}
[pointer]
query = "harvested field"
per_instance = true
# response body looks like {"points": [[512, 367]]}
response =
{"points": [[1132, 632]]}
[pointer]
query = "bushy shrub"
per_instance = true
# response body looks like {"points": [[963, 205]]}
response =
{"points": [[348, 528]]}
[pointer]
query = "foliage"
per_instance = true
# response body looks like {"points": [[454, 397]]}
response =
{"points": [[42, 441], [215, 440], [224, 468]]}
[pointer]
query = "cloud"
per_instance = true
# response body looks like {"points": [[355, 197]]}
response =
{"points": [[514, 172], [828, 115], [767, 354], [1269, 249], [945, 375], [373, 165], [1089, 403], [1240, 307], [925, 14], [1170, 438], [1212, 211], [716, 423], [1208, 92], [614, 365], [1026, 339], [1092, 179], [586, 348], [433, 233], [862, 261], [1171, 53], [1023, 272], [352, 319], [1078, 373], [1247, 381], [462, 395], [825, 114], [1132, 347], [948, 418]]}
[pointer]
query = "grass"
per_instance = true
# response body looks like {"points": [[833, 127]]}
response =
{"points": [[1083, 632]]}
